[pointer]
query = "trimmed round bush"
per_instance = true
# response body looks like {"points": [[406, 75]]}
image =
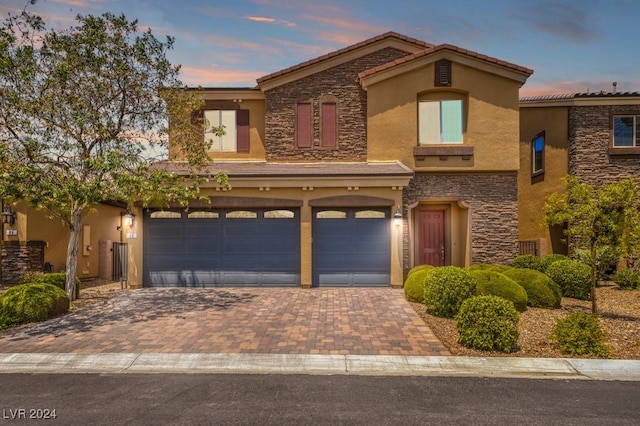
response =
{"points": [[528, 261], [488, 323], [501, 268], [627, 279], [552, 258], [59, 279], [414, 285], [573, 277], [580, 334], [490, 283], [33, 302], [480, 267], [446, 287], [542, 292], [418, 268]]}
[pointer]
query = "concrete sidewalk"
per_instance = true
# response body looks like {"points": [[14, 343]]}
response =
{"points": [[372, 365]]}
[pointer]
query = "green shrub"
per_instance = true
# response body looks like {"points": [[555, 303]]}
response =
{"points": [[5, 321], [488, 323], [580, 334], [490, 283], [573, 277], [57, 279], [446, 287], [33, 302], [480, 267], [542, 292], [418, 268], [501, 268], [528, 261], [551, 258], [627, 279], [414, 285]]}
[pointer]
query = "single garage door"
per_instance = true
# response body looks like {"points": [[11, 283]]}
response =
{"points": [[222, 247], [351, 247]]}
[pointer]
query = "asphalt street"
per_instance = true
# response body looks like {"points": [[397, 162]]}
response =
{"points": [[187, 399]]}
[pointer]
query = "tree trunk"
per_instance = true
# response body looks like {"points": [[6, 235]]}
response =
{"points": [[72, 253], [594, 304]]}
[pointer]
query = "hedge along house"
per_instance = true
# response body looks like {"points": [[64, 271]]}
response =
{"points": [[348, 169], [593, 136]]}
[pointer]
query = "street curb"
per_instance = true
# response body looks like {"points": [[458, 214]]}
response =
{"points": [[369, 365]]}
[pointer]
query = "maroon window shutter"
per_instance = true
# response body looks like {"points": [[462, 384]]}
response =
{"points": [[242, 129], [303, 125], [329, 124]]}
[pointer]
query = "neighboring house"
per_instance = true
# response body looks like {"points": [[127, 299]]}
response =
{"points": [[346, 170], [32, 241], [593, 136]]}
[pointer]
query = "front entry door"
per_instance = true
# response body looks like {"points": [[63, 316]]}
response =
{"points": [[431, 237]]}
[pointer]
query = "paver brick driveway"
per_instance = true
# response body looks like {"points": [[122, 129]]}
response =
{"points": [[366, 321]]}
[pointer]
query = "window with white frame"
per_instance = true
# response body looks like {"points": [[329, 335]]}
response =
{"points": [[440, 121], [626, 131], [215, 119]]}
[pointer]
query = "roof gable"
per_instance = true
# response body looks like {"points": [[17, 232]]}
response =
{"points": [[445, 51], [338, 57]]}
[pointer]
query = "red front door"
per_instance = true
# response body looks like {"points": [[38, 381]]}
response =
{"points": [[431, 238]]}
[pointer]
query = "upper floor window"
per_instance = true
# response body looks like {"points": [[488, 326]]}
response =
{"points": [[304, 124], [440, 121], [537, 154], [329, 123], [236, 130], [626, 131]]}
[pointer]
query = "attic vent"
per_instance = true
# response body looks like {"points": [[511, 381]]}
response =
{"points": [[443, 73]]}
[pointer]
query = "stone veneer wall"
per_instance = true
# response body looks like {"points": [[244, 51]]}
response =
{"points": [[493, 202], [340, 82], [20, 257], [589, 141]]}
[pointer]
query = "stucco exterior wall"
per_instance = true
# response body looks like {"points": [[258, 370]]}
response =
{"points": [[305, 196], [342, 83], [490, 117], [34, 226], [532, 191], [491, 199]]}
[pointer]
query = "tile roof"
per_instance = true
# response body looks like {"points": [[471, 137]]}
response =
{"points": [[372, 40], [591, 95], [318, 169], [433, 49]]}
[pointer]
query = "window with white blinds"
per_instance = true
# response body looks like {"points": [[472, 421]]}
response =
{"points": [[440, 122]]}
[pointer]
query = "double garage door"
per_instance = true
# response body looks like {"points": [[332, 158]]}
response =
{"points": [[261, 247], [222, 247]]}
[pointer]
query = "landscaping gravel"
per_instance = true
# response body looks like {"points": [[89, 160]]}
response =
{"points": [[619, 312]]}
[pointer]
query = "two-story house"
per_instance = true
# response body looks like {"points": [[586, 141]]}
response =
{"points": [[593, 136], [346, 170]]}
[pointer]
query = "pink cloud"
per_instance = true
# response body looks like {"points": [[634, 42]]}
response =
{"points": [[270, 20], [195, 76]]}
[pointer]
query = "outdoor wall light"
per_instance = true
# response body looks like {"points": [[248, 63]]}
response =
{"points": [[9, 216], [397, 217], [128, 218]]}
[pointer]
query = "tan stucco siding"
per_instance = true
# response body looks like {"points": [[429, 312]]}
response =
{"points": [[256, 134], [305, 196], [490, 118], [532, 191], [36, 225]]}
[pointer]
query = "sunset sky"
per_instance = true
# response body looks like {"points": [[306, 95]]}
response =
{"points": [[572, 45]]}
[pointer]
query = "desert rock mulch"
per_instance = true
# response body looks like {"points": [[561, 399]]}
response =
{"points": [[619, 312]]}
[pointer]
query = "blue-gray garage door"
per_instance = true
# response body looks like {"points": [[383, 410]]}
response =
{"points": [[222, 247], [351, 247]]}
